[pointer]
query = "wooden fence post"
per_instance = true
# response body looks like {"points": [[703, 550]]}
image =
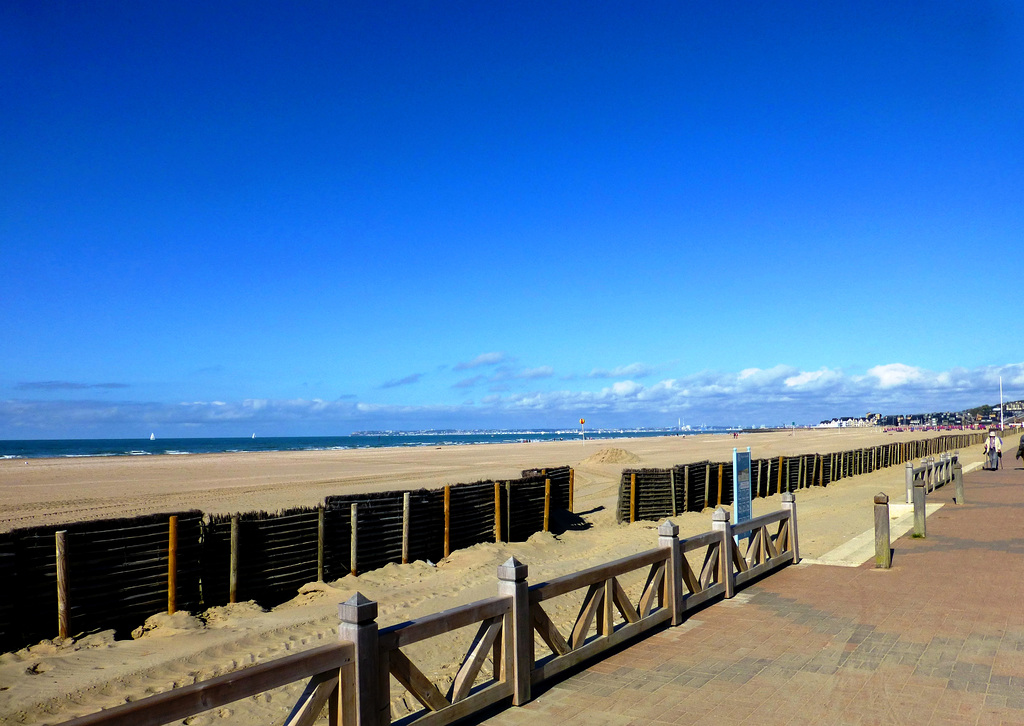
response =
{"points": [[707, 484], [883, 544], [353, 548], [406, 513], [668, 538], [789, 504], [512, 583], [172, 565], [720, 523], [547, 505], [320, 532], [672, 485], [62, 583], [719, 501], [780, 489], [572, 486], [447, 520], [632, 497], [233, 564], [358, 625], [497, 512], [686, 488]]}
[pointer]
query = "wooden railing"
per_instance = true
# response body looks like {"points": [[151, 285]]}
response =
{"points": [[604, 598], [607, 617], [353, 677], [330, 668], [463, 697], [764, 551], [934, 473]]}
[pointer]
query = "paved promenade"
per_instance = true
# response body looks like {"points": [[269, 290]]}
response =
{"points": [[938, 639]]}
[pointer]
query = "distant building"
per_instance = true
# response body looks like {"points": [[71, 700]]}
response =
{"points": [[843, 423]]}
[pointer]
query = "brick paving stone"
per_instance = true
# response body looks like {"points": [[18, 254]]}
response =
{"points": [[936, 640]]}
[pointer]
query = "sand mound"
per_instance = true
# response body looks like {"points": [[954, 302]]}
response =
{"points": [[163, 625], [226, 616], [612, 456]]}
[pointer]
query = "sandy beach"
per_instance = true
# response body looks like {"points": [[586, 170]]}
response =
{"points": [[50, 491], [52, 682]]}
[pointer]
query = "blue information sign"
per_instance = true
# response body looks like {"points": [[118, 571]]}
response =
{"points": [[741, 511]]}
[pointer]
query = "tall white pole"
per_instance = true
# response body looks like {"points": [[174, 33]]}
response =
{"points": [[1000, 403]]}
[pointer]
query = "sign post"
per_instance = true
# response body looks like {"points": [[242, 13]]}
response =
{"points": [[741, 507], [583, 430]]}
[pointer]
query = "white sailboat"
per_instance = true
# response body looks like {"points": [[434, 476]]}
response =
{"points": [[152, 437]]}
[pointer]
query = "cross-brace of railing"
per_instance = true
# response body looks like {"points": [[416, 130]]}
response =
{"points": [[510, 624], [932, 472]]}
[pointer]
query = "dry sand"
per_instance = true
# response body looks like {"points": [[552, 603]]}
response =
{"points": [[52, 682]]}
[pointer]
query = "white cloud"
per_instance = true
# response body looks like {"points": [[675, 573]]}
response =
{"points": [[633, 370], [539, 372], [896, 374], [750, 396], [813, 379], [626, 388], [484, 359]]}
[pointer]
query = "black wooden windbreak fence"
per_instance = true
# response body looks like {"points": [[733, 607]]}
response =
{"points": [[656, 493], [115, 573]]}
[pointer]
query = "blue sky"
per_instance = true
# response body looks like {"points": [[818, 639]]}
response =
{"points": [[220, 218]]}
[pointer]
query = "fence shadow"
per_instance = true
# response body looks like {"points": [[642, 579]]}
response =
{"points": [[563, 521]]}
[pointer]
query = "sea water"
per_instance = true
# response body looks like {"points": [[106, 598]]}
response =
{"points": [[40, 448]]}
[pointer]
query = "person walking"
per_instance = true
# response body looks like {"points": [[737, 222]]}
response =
{"points": [[994, 450]]}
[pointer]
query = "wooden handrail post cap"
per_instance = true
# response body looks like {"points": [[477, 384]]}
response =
{"points": [[668, 538], [358, 617], [357, 610], [881, 498], [513, 570], [518, 635], [720, 523]]}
